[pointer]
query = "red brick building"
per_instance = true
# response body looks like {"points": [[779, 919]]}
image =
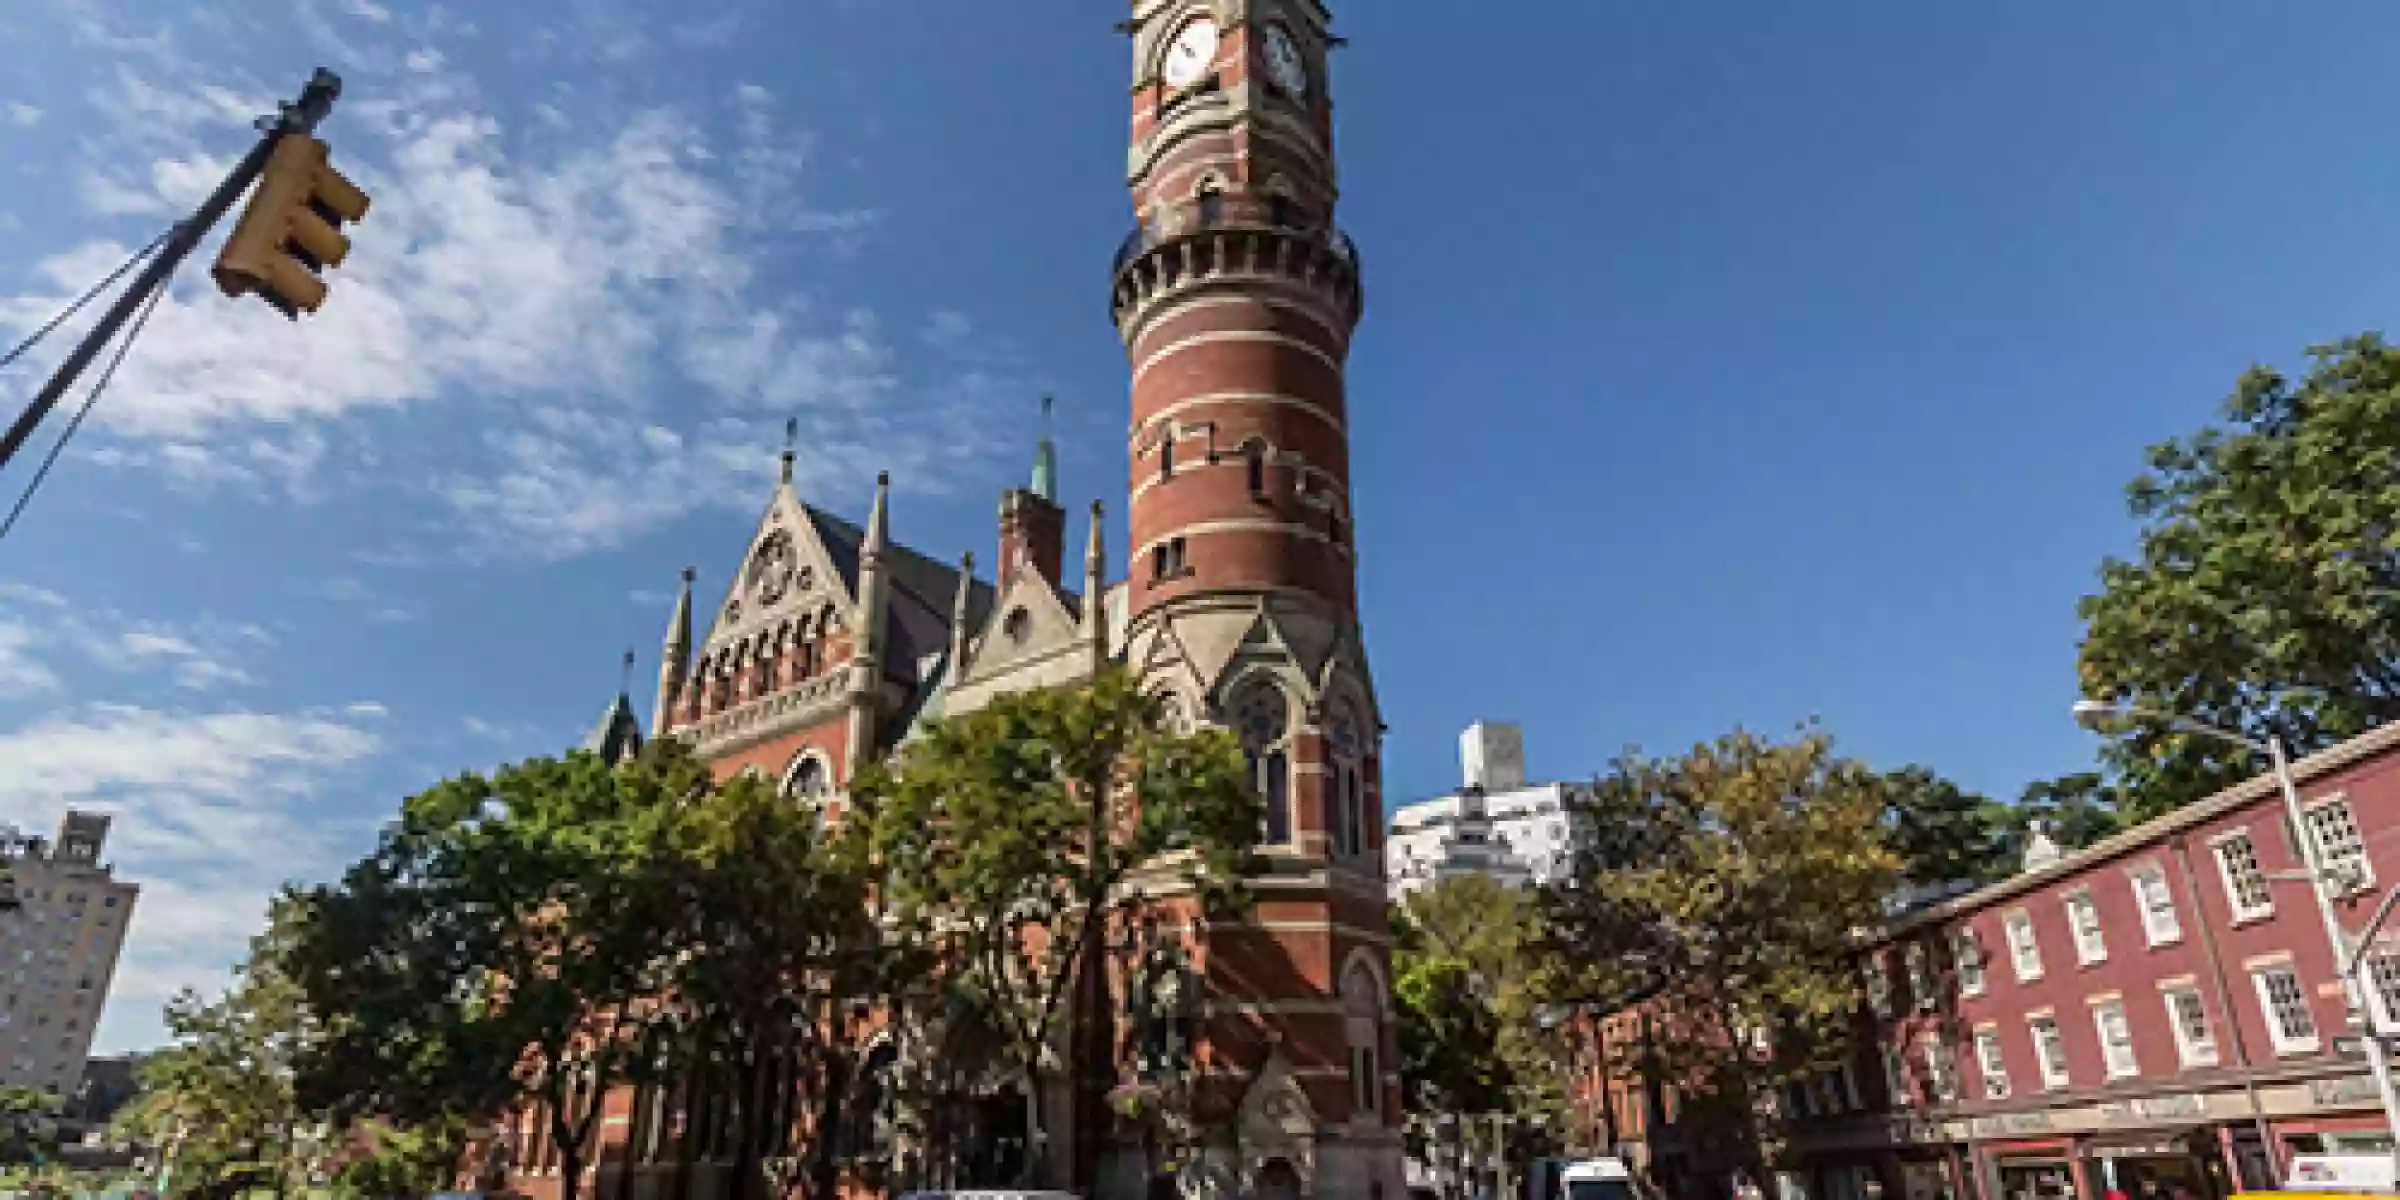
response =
{"points": [[2156, 1012], [1235, 297]]}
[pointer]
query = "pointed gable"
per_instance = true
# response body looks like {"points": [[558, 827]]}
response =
{"points": [[789, 569], [1029, 620]]}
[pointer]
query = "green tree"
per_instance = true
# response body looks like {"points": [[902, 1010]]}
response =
{"points": [[1724, 886], [784, 949], [23, 1114], [1941, 833], [1007, 833], [1470, 1014], [2077, 810], [505, 940], [220, 1099], [384, 1159], [2265, 598]]}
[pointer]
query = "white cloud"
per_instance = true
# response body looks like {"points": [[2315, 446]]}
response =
{"points": [[366, 708], [39, 630], [21, 674], [21, 115], [591, 298], [367, 10], [213, 811]]}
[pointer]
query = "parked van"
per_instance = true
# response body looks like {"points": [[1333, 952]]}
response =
{"points": [[1579, 1179]]}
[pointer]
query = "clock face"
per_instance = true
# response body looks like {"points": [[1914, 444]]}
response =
{"points": [[1284, 64], [772, 567], [1189, 58]]}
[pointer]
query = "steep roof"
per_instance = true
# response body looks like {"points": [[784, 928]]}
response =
{"points": [[922, 592], [617, 736]]}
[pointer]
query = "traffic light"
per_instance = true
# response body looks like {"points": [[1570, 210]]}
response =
{"points": [[292, 229]]}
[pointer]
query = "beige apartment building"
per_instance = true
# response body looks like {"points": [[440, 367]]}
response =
{"points": [[58, 950]]}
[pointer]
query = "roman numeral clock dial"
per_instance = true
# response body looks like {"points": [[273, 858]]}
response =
{"points": [[1192, 53]]}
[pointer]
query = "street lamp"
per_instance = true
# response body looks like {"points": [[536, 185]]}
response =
{"points": [[2349, 958]]}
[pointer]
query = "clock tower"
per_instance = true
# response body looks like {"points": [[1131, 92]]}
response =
{"points": [[1236, 296]]}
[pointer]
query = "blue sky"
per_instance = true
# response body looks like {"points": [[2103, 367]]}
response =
{"points": [[1724, 363]]}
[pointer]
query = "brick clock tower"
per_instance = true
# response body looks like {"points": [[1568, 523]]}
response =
{"points": [[1236, 297]]}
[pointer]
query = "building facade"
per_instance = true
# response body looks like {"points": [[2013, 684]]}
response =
{"points": [[58, 950], [2157, 1015], [1496, 824], [1234, 297]]}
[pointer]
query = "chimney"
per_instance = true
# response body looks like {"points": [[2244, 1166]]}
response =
{"points": [[1032, 528]]}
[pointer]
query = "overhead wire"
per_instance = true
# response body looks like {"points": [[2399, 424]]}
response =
{"points": [[124, 346], [138, 257]]}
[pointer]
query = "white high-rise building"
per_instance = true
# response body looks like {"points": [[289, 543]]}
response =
{"points": [[58, 950], [1495, 824]]}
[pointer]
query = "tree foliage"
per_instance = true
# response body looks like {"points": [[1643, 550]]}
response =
{"points": [[1007, 834], [1940, 832], [24, 1115], [2265, 598], [221, 1097], [2077, 810], [1724, 887], [1470, 1015], [782, 946], [503, 940]]}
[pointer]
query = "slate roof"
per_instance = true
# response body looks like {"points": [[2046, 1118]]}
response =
{"points": [[617, 736], [922, 592]]}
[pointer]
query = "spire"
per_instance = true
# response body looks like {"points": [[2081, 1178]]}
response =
{"points": [[878, 537], [874, 610], [791, 439], [618, 736], [1045, 460], [959, 614], [675, 659]]}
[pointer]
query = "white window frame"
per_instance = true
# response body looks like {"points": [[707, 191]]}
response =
{"points": [[2083, 926], [2117, 1055], [2049, 1054], [2363, 875], [1878, 981], [2194, 1052], [2235, 876], [2285, 1041], [2158, 930], [2024, 952], [1920, 974], [1992, 1061], [1895, 1076], [1941, 1069], [1966, 958], [2383, 987]]}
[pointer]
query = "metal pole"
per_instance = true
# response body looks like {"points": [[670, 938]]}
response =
{"points": [[2345, 956], [300, 116]]}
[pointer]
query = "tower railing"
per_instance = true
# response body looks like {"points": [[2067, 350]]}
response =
{"points": [[1155, 261]]}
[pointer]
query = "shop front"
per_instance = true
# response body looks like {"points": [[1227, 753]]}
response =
{"points": [[2035, 1170], [2181, 1166]]}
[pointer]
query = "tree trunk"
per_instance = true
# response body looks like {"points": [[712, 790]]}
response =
{"points": [[824, 1171], [688, 1113], [754, 1115], [1037, 1138]]}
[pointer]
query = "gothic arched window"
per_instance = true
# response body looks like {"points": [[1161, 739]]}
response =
{"points": [[1263, 720], [808, 779], [1346, 798], [1254, 465], [1362, 1019], [1212, 204]]}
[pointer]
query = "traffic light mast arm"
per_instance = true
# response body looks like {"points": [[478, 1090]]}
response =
{"points": [[300, 117]]}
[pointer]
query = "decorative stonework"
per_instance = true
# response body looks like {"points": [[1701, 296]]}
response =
{"points": [[802, 706]]}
